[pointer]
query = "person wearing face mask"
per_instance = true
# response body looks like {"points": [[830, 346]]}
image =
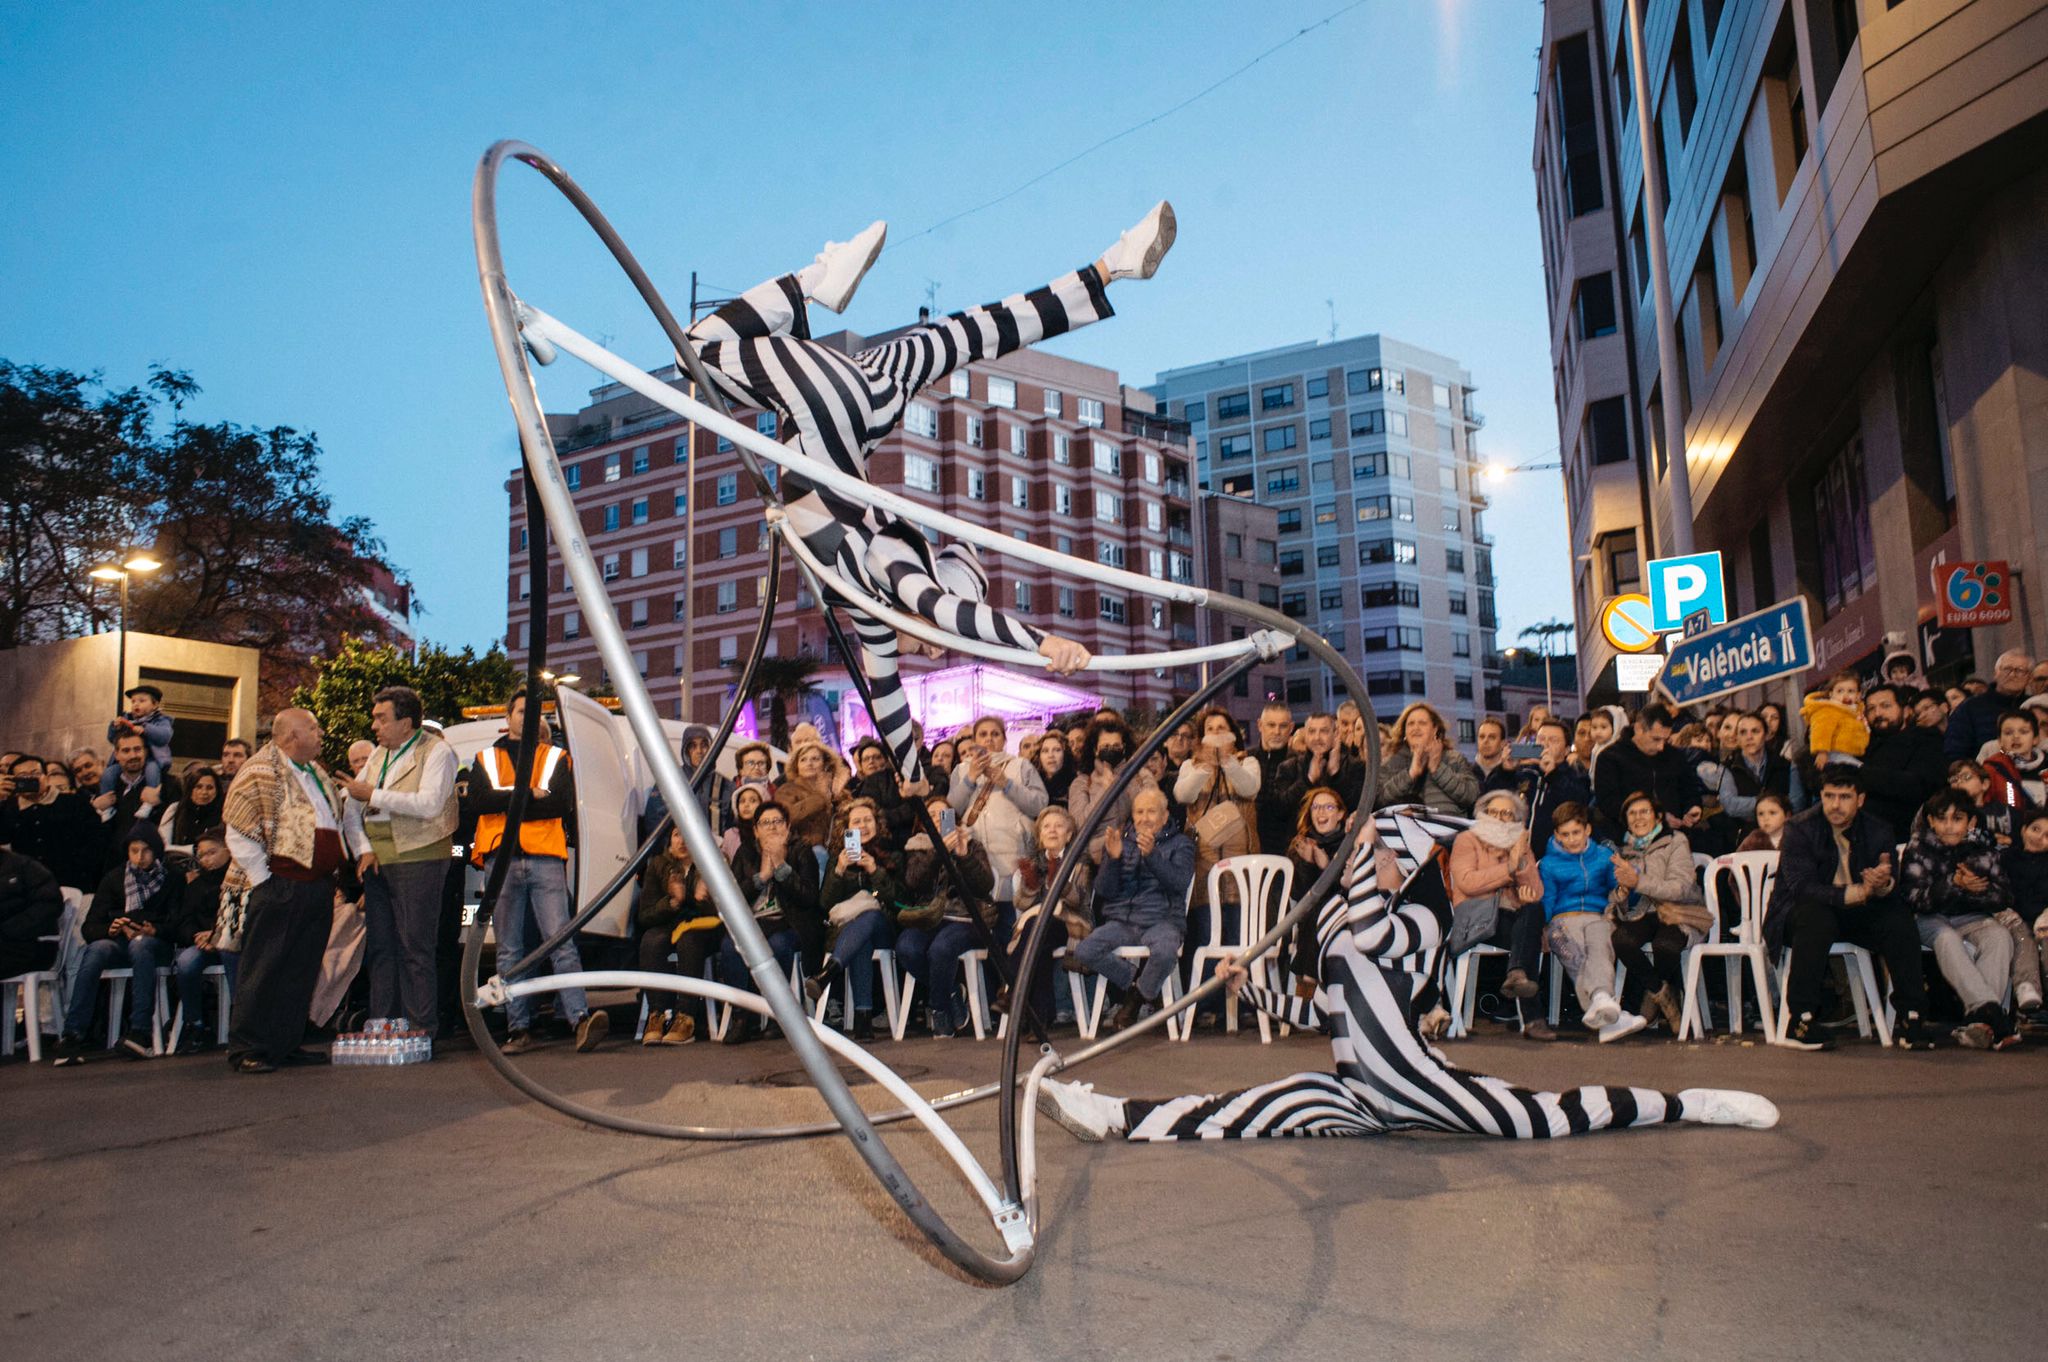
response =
{"points": [[1103, 752], [1497, 895], [1425, 769]]}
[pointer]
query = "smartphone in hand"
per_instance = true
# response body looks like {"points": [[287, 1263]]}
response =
{"points": [[853, 843], [948, 820]]}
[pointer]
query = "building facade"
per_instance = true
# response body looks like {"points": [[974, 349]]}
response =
{"points": [[1038, 447], [1364, 451], [1857, 233]]}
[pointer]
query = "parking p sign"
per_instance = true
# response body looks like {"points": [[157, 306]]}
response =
{"points": [[1686, 586]]}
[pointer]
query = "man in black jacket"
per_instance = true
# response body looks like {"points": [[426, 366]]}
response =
{"points": [[30, 905], [1835, 883], [1645, 761], [1324, 763], [1903, 765], [1975, 721], [1550, 781], [1276, 815]]}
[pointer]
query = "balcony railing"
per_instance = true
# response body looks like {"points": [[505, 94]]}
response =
{"points": [[1152, 426]]}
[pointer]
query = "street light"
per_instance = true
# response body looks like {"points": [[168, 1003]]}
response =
{"points": [[107, 572]]}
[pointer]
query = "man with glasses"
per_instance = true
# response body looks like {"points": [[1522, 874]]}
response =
{"points": [[1974, 722]]}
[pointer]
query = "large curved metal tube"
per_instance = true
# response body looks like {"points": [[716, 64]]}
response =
{"points": [[537, 445]]}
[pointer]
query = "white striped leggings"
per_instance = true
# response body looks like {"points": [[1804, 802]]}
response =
{"points": [[1378, 950], [835, 407]]}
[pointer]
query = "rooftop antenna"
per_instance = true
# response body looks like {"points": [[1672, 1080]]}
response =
{"points": [[931, 295], [1331, 303]]}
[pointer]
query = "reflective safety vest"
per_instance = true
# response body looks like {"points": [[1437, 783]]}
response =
{"points": [[537, 837]]}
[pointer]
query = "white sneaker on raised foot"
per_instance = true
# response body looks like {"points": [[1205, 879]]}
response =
{"points": [[1603, 1013], [1083, 1111], [829, 281], [1627, 1024], [1137, 253], [1726, 1107]]}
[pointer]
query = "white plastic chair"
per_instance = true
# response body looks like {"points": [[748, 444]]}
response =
{"points": [[30, 988], [1873, 1011], [117, 981], [1088, 1001], [1464, 991], [1752, 873], [1253, 876], [223, 1008], [896, 991]]}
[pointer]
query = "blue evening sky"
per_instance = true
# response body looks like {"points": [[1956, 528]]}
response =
{"points": [[276, 198]]}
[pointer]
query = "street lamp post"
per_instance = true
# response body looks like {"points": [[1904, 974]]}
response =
{"points": [[107, 572]]}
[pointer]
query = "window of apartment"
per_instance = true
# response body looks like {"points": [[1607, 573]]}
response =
{"points": [[1440, 395], [1266, 551], [1281, 480], [1326, 555], [728, 597], [1404, 508], [1053, 405], [1571, 88], [1088, 410], [525, 585], [1194, 410], [1841, 511], [1326, 513], [1269, 595], [1294, 604], [1706, 300], [1397, 423], [1375, 508], [728, 489], [957, 384], [922, 418], [1458, 604], [574, 475], [642, 459], [1020, 493], [1155, 518], [1238, 485], [1319, 386], [921, 472], [640, 510], [764, 424], [1233, 406], [1279, 439], [1685, 82], [679, 606], [637, 614], [974, 430], [1065, 602], [1330, 598], [1607, 430], [611, 468], [1002, 392], [1062, 449], [1279, 397], [1151, 468], [1319, 428], [1784, 95], [1020, 596], [610, 567], [1064, 543], [1290, 520], [1108, 458], [1370, 421], [1234, 447], [1461, 643], [1290, 562], [728, 650], [1020, 441], [1738, 227], [1453, 520], [637, 562], [1062, 499], [1593, 305], [1454, 560], [1109, 508], [1109, 553], [1391, 593], [1624, 563], [1233, 547], [1115, 609], [682, 503], [522, 539], [572, 624], [611, 516], [1447, 479], [1155, 562]]}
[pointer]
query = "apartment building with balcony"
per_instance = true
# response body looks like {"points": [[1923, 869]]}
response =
{"points": [[1363, 449], [1857, 227], [1040, 448]]}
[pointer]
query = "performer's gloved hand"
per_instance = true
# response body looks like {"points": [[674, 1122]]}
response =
{"points": [[1063, 655]]}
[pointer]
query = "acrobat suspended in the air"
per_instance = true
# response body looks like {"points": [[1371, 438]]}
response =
{"points": [[838, 407], [1378, 948]]}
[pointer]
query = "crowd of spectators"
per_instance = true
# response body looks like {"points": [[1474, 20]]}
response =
{"points": [[1903, 818]]}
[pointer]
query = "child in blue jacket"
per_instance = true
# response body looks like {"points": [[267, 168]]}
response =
{"points": [[1580, 878]]}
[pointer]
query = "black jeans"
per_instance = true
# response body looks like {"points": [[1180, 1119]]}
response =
{"points": [[1884, 929], [1649, 948], [691, 949]]}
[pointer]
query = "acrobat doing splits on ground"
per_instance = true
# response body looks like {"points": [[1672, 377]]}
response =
{"points": [[1378, 946], [838, 407]]}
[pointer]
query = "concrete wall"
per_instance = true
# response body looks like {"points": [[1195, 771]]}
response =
{"points": [[61, 695]]}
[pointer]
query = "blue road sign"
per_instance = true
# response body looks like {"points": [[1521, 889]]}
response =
{"points": [[1681, 586], [1743, 652]]}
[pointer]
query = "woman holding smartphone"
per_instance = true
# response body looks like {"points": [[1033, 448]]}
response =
{"points": [[861, 896]]}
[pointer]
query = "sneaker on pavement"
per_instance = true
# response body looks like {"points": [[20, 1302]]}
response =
{"points": [[1604, 1012], [594, 1027], [1806, 1033], [829, 281], [682, 1029], [1975, 1036], [518, 1042], [1088, 1114], [1624, 1026], [1137, 253], [137, 1045], [1913, 1033], [70, 1050], [1725, 1107], [1518, 984]]}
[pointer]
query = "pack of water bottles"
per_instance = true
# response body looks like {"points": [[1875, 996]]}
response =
{"points": [[383, 1041]]}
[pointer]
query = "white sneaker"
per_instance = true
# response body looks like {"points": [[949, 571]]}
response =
{"points": [[829, 281], [1603, 1013], [1622, 1027], [1725, 1107], [1137, 253], [1085, 1112]]}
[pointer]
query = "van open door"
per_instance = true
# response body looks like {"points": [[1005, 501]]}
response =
{"points": [[607, 805]]}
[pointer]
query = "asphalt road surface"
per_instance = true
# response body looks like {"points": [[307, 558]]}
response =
{"points": [[171, 1209]]}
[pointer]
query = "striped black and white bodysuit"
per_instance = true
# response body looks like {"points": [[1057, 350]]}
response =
{"points": [[1378, 947], [836, 408]]}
